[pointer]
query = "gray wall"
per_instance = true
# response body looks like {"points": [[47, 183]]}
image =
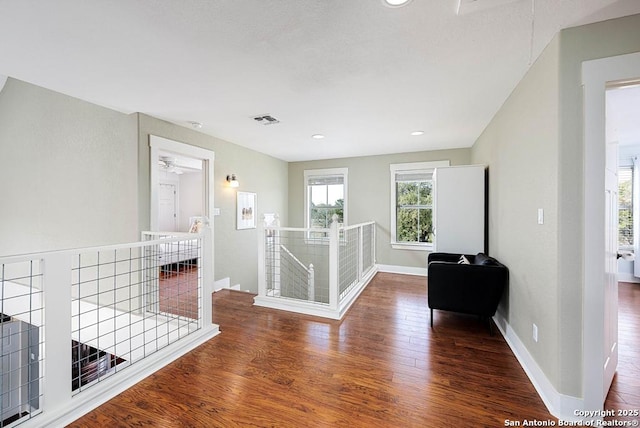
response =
{"points": [[520, 145], [236, 251], [68, 172], [369, 195], [75, 174], [534, 149], [600, 40]]}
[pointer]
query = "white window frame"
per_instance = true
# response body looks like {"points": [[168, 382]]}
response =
{"points": [[634, 202], [411, 167], [328, 172]]}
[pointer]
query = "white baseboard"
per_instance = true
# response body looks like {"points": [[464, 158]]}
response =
{"points": [[559, 405], [314, 308], [222, 284], [405, 270], [225, 283], [628, 277]]}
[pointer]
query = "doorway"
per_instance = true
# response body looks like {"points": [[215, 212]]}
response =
{"points": [[169, 160], [623, 128], [597, 315], [180, 192]]}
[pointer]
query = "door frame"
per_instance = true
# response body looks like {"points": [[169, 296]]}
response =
{"points": [[160, 144], [596, 76]]}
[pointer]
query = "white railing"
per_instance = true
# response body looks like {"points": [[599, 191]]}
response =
{"points": [[315, 271], [299, 288], [81, 326]]}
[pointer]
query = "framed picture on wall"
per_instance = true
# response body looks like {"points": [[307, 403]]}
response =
{"points": [[246, 210]]}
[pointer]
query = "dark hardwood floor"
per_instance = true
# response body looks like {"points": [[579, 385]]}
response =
{"points": [[625, 389], [178, 290], [382, 366]]}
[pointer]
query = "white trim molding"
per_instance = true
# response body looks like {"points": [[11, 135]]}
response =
{"points": [[329, 172], [628, 277], [158, 144], [596, 75], [561, 406], [405, 270]]}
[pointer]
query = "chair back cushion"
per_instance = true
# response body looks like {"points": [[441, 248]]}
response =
{"points": [[484, 260]]}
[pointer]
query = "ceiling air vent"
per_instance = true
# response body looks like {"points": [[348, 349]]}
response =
{"points": [[266, 119]]}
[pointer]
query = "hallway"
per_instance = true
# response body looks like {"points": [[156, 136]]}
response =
{"points": [[382, 366]]}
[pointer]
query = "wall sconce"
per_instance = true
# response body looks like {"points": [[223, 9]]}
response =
{"points": [[233, 182]]}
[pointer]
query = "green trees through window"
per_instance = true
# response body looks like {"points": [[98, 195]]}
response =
{"points": [[321, 214], [414, 211], [326, 196], [625, 207]]}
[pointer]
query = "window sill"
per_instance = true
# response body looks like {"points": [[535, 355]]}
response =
{"points": [[412, 247]]}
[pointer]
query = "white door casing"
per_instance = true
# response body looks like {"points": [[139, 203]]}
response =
{"points": [[160, 144], [596, 75], [610, 292]]}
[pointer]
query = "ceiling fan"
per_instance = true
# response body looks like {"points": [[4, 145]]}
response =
{"points": [[169, 164]]}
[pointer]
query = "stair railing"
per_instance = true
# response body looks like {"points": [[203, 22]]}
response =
{"points": [[314, 271]]}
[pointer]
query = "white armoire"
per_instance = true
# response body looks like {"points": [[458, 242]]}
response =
{"points": [[459, 209]]}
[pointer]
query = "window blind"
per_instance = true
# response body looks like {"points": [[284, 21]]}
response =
{"points": [[413, 176], [325, 180]]}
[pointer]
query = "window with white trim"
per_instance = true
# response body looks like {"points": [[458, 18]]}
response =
{"points": [[325, 195], [412, 204]]}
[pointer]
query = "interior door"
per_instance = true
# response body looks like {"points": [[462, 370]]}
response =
{"points": [[167, 207], [610, 344]]}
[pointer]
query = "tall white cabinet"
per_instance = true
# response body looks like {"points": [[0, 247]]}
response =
{"points": [[459, 209]]}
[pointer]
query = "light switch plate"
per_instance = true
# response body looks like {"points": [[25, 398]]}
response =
{"points": [[540, 216]]}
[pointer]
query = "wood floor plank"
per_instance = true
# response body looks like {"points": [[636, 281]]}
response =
{"points": [[382, 366], [625, 389]]}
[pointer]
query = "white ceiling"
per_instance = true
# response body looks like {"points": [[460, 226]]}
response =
{"points": [[363, 74]]}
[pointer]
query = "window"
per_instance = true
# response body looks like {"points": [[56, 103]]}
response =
{"points": [[325, 195], [412, 205], [625, 207]]}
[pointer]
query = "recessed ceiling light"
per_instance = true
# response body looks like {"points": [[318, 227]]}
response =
{"points": [[396, 3], [196, 125], [317, 136], [416, 133]]}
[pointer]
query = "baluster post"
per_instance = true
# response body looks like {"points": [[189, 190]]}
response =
{"points": [[262, 242], [334, 282], [57, 330], [311, 283]]}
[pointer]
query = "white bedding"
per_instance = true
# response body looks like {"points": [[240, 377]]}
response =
{"points": [[176, 252]]}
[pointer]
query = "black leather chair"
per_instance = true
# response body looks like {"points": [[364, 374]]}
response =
{"points": [[475, 288]]}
